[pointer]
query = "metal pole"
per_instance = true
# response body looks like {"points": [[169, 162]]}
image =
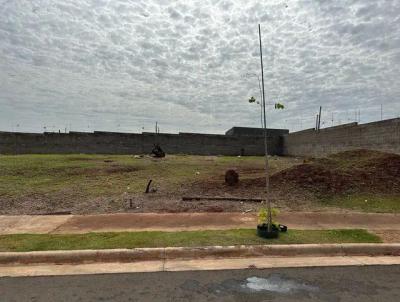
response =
{"points": [[261, 96], [319, 118], [267, 199]]}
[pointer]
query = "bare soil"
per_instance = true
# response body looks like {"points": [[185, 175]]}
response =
{"points": [[296, 185], [359, 171], [301, 186], [388, 236]]}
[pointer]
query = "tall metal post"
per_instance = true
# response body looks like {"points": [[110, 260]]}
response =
{"points": [[261, 106], [267, 199], [319, 118]]}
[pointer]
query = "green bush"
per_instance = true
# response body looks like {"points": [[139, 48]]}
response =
{"points": [[263, 215]]}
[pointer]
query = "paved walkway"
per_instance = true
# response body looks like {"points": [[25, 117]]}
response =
{"points": [[65, 224], [192, 265]]}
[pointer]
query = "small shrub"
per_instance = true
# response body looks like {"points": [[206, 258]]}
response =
{"points": [[263, 215]]}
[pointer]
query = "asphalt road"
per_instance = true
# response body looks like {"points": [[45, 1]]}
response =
{"points": [[371, 283]]}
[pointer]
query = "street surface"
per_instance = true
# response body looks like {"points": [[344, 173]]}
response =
{"points": [[348, 283]]}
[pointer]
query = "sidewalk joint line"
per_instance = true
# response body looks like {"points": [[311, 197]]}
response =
{"points": [[164, 259]]}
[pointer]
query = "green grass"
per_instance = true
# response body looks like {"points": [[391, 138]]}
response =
{"points": [[78, 178], [366, 203], [44, 242], [89, 176]]}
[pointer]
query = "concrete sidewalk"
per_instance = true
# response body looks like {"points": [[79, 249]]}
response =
{"points": [[65, 224], [192, 265], [213, 252]]}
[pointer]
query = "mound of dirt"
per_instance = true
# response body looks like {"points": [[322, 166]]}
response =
{"points": [[346, 172]]}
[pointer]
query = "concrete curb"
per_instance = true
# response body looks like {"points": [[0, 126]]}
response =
{"points": [[243, 251]]}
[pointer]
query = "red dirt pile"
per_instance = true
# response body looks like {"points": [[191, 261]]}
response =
{"points": [[346, 172]]}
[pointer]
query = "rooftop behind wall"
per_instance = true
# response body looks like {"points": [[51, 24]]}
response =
{"points": [[247, 131]]}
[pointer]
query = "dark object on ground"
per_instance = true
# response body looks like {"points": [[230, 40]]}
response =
{"points": [[148, 186], [282, 228], [56, 213], [214, 209], [231, 177], [262, 231], [185, 198], [157, 151]]}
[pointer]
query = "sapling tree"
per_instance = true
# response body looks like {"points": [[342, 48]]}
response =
{"points": [[277, 106]]}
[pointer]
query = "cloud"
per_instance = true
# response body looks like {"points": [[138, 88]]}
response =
{"points": [[124, 64]]}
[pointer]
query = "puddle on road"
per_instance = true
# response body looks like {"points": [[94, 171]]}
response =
{"points": [[272, 284], [276, 283]]}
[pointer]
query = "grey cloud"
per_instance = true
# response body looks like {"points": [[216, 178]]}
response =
{"points": [[130, 63], [174, 14]]}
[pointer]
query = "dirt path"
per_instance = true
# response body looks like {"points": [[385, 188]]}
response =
{"points": [[388, 236], [192, 221]]}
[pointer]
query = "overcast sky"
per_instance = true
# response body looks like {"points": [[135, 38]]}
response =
{"points": [[121, 65]]}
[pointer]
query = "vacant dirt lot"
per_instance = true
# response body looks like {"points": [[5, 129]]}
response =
{"points": [[44, 184]]}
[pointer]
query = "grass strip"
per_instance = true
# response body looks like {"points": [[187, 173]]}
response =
{"points": [[47, 242], [370, 203]]}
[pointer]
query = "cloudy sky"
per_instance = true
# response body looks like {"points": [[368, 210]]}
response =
{"points": [[122, 65]]}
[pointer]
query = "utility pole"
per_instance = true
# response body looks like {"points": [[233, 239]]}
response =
{"points": [[316, 122], [319, 118], [156, 127], [332, 118], [267, 199], [381, 112]]}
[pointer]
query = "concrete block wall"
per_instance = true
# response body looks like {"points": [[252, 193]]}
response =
{"points": [[381, 135], [131, 143]]}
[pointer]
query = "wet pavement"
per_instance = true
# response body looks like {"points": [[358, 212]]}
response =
{"points": [[351, 283]]}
